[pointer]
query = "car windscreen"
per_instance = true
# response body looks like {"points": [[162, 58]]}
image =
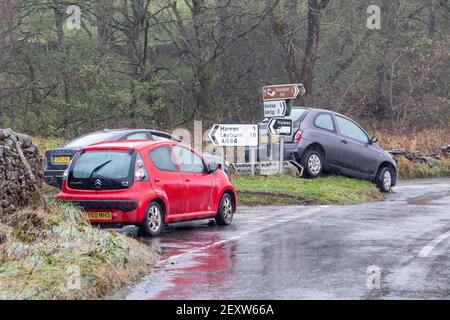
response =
{"points": [[90, 139], [102, 170]]}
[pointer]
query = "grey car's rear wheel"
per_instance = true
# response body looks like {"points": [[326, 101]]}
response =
{"points": [[312, 162], [225, 213], [384, 179], [153, 220]]}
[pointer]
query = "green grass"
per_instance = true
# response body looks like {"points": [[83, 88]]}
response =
{"points": [[49, 143], [288, 190], [59, 255], [413, 170]]}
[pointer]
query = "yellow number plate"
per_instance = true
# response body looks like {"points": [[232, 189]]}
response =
{"points": [[99, 215], [275, 139], [264, 139], [62, 159]]}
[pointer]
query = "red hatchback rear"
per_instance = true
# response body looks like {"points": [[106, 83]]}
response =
{"points": [[149, 184]]}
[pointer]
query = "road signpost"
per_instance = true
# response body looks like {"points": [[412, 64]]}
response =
{"points": [[277, 103], [235, 135], [277, 108], [283, 92], [280, 127]]}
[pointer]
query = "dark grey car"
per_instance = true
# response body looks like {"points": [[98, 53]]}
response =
{"points": [[323, 140]]}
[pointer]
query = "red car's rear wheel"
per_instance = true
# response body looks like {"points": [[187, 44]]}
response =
{"points": [[153, 220]]}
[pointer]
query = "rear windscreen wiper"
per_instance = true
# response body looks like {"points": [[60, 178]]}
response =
{"points": [[98, 168]]}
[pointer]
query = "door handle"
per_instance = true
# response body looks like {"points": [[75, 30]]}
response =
{"points": [[187, 180], [156, 180], [344, 141]]}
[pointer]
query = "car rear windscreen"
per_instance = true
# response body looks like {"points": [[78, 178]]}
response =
{"points": [[102, 170], [297, 114], [90, 139]]}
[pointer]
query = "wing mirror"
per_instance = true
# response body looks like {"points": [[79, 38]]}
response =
{"points": [[373, 140], [212, 167]]}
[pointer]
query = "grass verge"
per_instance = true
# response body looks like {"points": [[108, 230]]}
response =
{"points": [[288, 190], [413, 170], [59, 255]]}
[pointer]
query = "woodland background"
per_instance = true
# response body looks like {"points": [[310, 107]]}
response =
{"points": [[163, 64]]}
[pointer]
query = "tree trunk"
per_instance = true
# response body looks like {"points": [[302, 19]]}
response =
{"points": [[283, 23], [59, 24], [431, 18], [312, 42]]}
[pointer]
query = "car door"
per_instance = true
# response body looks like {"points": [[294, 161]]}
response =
{"points": [[200, 184], [166, 179], [325, 134], [355, 151]]}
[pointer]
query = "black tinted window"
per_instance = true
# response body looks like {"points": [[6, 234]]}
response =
{"points": [[324, 121], [163, 160]]}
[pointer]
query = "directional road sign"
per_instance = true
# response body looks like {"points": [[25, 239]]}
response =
{"points": [[235, 135]]}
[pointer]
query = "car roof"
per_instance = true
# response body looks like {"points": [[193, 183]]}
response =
{"points": [[123, 131], [318, 110], [137, 145]]}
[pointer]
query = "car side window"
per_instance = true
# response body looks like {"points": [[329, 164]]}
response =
{"points": [[189, 161], [163, 159], [137, 136], [350, 129], [324, 121]]}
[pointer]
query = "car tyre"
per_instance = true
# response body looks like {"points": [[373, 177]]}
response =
{"points": [[312, 162], [153, 221], [384, 179], [225, 213]]}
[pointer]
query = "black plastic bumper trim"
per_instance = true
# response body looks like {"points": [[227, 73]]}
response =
{"points": [[123, 205]]}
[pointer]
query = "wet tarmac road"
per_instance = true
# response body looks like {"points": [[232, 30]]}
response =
{"points": [[398, 248]]}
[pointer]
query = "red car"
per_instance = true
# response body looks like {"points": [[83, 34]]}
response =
{"points": [[149, 184]]}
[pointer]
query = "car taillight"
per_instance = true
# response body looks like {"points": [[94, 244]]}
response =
{"points": [[140, 173], [297, 136]]}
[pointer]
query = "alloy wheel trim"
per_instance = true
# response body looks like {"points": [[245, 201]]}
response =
{"points": [[314, 164], [154, 220]]}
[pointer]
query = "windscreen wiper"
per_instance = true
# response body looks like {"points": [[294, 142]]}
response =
{"points": [[98, 168]]}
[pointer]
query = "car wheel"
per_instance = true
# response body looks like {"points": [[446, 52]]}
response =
{"points": [[384, 179], [225, 213], [153, 220], [312, 163]]}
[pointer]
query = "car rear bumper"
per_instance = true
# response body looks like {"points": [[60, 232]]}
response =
{"points": [[293, 151], [122, 211], [53, 177]]}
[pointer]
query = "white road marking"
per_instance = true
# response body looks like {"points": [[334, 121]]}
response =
{"points": [[432, 244]]}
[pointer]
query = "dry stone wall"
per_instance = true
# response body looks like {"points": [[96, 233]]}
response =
{"points": [[16, 187]]}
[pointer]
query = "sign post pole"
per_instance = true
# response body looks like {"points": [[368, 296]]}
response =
{"points": [[281, 155], [252, 160]]}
